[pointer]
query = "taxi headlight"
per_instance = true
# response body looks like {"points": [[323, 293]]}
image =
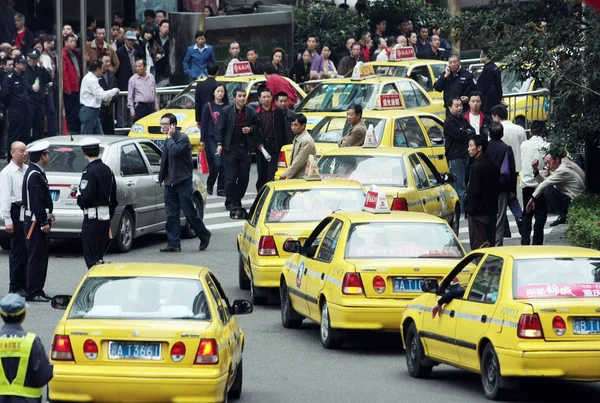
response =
{"points": [[192, 130], [137, 128]]}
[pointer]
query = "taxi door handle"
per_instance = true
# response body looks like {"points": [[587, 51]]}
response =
{"points": [[441, 156], [130, 183], [305, 271], [322, 276], [452, 313], [424, 201], [483, 318]]}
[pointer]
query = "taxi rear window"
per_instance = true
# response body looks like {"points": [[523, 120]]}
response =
{"points": [[339, 97], [66, 158], [556, 278], [312, 204], [331, 130], [402, 240], [147, 298], [366, 169], [391, 71]]}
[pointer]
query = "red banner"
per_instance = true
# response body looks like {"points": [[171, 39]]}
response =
{"points": [[559, 291]]}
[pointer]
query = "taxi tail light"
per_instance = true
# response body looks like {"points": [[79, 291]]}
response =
{"points": [[178, 351], [379, 284], [559, 326], [266, 246], [208, 352], [90, 349], [530, 327], [352, 284], [73, 195], [399, 204], [61, 348], [282, 163]]}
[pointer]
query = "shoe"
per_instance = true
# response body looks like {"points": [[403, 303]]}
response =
{"points": [[21, 292], [204, 241], [44, 295], [560, 220], [209, 191], [221, 193], [237, 204], [171, 249], [37, 298], [229, 206]]}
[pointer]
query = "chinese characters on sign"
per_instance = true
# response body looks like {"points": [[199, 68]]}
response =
{"points": [[559, 290], [390, 101]]}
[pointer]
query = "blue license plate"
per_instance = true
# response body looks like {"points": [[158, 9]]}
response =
{"points": [[402, 284], [586, 326], [159, 143], [134, 351], [54, 194]]}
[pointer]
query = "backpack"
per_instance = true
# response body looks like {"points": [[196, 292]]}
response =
{"points": [[505, 176]]}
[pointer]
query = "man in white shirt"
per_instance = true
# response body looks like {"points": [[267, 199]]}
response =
{"points": [[533, 150], [11, 185], [91, 96]]}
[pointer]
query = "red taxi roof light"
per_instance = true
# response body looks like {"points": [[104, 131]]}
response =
{"points": [[208, 352], [90, 349], [530, 327], [178, 351], [282, 163], [379, 284], [352, 284], [559, 326], [399, 204], [61, 348], [266, 246]]}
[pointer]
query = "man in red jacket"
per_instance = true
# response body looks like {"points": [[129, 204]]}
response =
{"points": [[278, 84], [71, 80]]}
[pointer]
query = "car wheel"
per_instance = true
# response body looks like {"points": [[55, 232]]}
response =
{"points": [[188, 231], [243, 280], [456, 220], [5, 243], [415, 354], [256, 296], [236, 389], [290, 319], [521, 121], [491, 380], [330, 338], [124, 239]]}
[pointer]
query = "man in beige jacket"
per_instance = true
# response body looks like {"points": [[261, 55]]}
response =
{"points": [[304, 145], [99, 46], [358, 131]]}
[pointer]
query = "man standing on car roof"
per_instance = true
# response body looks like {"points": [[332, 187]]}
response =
{"points": [[97, 197]]}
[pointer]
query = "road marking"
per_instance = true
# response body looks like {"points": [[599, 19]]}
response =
{"points": [[226, 225], [513, 224], [546, 232], [215, 197], [216, 205], [215, 215]]}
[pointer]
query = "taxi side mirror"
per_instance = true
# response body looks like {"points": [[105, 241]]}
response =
{"points": [[437, 140], [430, 286], [60, 301], [449, 178], [292, 246], [241, 307], [238, 213]]}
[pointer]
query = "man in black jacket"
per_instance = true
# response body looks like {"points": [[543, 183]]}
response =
{"points": [[490, 85], [456, 82], [457, 131], [176, 171], [482, 195], [204, 91], [38, 78], [272, 122], [238, 132], [502, 154], [107, 81], [15, 96], [282, 101]]}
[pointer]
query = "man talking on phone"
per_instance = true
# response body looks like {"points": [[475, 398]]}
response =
{"points": [[176, 169], [456, 82]]}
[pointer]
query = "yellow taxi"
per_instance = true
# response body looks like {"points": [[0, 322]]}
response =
{"points": [[527, 311], [407, 176], [183, 106], [283, 209], [358, 270], [368, 90], [393, 128], [141, 332]]}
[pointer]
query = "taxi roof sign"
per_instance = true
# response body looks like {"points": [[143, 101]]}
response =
{"points": [[311, 173], [376, 202], [402, 53], [237, 68], [370, 138], [362, 71]]}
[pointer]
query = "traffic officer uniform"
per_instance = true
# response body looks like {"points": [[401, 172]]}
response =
{"points": [[455, 86], [15, 95], [25, 366], [37, 210], [97, 197], [37, 99]]}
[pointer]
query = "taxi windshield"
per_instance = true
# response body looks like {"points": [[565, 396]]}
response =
{"points": [[367, 169], [147, 298], [303, 205], [186, 99], [338, 97], [556, 278], [66, 158], [332, 129], [391, 71], [407, 240]]}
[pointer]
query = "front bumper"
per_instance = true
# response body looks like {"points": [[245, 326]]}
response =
{"points": [[383, 315]]}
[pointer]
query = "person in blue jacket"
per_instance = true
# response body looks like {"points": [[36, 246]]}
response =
{"points": [[197, 58], [210, 116]]}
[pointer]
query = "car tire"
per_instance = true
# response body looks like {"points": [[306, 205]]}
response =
{"points": [[491, 380], [415, 355], [521, 121], [243, 279], [331, 339], [188, 232], [5, 243], [290, 319], [456, 220], [256, 295], [236, 389], [125, 232]]}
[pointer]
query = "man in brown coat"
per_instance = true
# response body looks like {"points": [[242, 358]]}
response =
{"points": [[304, 146], [99, 46], [356, 136]]}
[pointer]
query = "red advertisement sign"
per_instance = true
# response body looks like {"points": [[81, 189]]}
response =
{"points": [[242, 68], [371, 200], [405, 53], [390, 101], [559, 291]]}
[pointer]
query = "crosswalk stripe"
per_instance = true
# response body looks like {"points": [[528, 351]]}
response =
{"points": [[546, 232], [226, 225], [215, 197], [222, 204], [215, 215]]}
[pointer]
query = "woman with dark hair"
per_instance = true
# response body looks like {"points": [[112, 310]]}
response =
{"points": [[301, 70], [208, 11], [210, 115], [277, 61], [328, 70]]}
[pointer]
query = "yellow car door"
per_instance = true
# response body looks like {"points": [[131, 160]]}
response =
{"points": [[446, 204], [477, 310], [225, 338], [252, 228], [428, 194], [434, 133]]}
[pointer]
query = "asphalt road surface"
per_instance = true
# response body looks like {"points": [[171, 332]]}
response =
{"points": [[289, 366]]}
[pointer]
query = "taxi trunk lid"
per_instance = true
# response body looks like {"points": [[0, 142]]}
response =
{"points": [[581, 318], [402, 278], [281, 232], [130, 341]]}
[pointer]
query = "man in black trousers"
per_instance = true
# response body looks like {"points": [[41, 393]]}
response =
{"points": [[107, 81], [38, 217]]}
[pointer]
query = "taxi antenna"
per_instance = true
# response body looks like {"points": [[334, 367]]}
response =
{"points": [[337, 208]]}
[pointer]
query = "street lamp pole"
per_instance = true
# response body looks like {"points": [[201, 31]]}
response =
{"points": [[59, 65], [83, 33]]}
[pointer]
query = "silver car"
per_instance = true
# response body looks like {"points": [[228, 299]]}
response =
{"points": [[136, 164]]}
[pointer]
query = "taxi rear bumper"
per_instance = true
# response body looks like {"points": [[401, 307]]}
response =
{"points": [[267, 276], [386, 315], [570, 365]]}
